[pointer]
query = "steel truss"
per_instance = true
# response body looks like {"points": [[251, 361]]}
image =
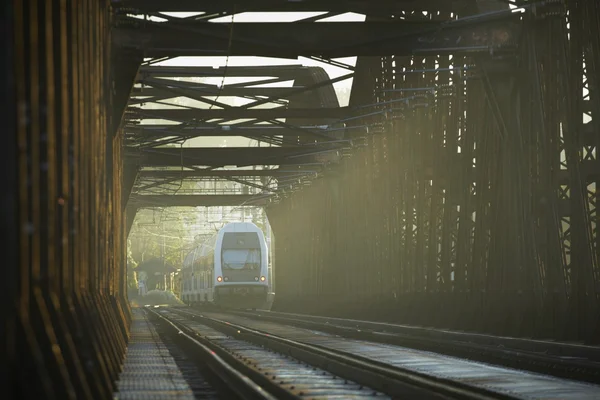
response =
{"points": [[475, 207], [309, 136], [68, 317]]}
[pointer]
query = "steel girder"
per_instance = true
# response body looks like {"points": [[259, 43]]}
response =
{"points": [[11, 222], [231, 156], [146, 93], [327, 39], [252, 131], [207, 200], [124, 70], [383, 7], [191, 115], [285, 72], [274, 172]]}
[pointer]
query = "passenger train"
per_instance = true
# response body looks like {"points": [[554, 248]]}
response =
{"points": [[230, 269]]}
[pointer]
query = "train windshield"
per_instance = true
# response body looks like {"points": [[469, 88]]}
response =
{"points": [[248, 259], [240, 251]]}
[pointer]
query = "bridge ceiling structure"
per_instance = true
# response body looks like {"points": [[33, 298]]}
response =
{"points": [[298, 139], [456, 189], [302, 126]]}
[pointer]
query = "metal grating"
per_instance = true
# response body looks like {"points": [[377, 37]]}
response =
{"points": [[149, 370]]}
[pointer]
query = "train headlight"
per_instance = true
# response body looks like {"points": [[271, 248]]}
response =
{"points": [[226, 279], [219, 279], [256, 278], [262, 279]]}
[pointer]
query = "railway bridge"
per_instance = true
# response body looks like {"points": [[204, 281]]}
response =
{"points": [[455, 189]]}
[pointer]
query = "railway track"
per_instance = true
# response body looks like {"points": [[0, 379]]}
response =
{"points": [[162, 362], [270, 374], [289, 369], [564, 360], [396, 371], [197, 376]]}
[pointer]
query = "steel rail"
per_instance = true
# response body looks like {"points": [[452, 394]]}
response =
{"points": [[240, 362], [221, 366], [394, 381], [532, 355]]}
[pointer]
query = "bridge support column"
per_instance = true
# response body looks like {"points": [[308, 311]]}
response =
{"points": [[69, 327]]}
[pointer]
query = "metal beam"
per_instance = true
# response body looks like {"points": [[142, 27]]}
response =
{"points": [[130, 213], [226, 156], [219, 173], [328, 40], [339, 6], [222, 130], [238, 113], [589, 171], [215, 200], [280, 71], [138, 92], [124, 70], [129, 177]]}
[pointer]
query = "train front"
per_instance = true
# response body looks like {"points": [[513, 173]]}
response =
{"points": [[241, 267]]}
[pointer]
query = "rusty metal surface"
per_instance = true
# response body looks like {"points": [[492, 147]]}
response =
{"points": [[519, 384], [71, 317], [149, 370], [292, 375]]}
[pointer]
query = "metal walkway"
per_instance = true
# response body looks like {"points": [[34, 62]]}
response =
{"points": [[149, 370]]}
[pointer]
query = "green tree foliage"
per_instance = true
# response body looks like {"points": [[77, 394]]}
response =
{"points": [[159, 233], [131, 266]]}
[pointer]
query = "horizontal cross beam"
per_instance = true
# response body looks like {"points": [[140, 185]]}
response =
{"points": [[237, 113], [229, 156], [339, 6], [212, 91], [327, 39], [230, 200], [240, 173], [221, 130], [281, 71]]}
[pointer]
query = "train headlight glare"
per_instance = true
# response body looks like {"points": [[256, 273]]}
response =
{"points": [[219, 279], [262, 279]]}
